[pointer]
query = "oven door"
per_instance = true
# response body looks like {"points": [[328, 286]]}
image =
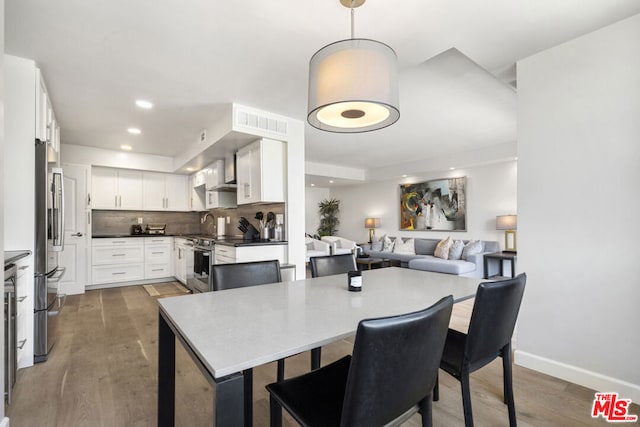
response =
{"points": [[201, 266]]}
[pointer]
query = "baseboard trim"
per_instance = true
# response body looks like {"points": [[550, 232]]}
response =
{"points": [[589, 379], [4, 422], [131, 283]]}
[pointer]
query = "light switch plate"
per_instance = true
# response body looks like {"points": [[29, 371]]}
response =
{"points": [[139, 220], [228, 220]]}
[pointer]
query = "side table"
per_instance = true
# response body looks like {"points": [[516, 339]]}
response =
{"points": [[370, 262], [500, 257]]}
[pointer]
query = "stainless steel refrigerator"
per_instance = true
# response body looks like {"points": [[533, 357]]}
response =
{"points": [[49, 232]]}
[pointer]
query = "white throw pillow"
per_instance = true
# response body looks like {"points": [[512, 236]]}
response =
{"points": [[471, 248], [407, 248], [376, 246], [455, 252], [442, 248], [387, 244]]}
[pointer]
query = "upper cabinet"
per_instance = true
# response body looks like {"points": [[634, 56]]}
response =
{"points": [[116, 189], [260, 172], [47, 127], [164, 192], [134, 190]]}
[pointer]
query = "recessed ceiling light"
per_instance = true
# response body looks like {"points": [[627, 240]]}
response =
{"points": [[134, 131], [313, 185], [144, 104], [451, 169], [404, 175], [189, 169], [330, 181], [515, 158], [126, 147]]}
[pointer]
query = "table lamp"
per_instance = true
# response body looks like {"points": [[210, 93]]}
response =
{"points": [[371, 224], [508, 223]]}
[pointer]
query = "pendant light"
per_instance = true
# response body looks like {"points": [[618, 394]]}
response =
{"points": [[353, 84]]}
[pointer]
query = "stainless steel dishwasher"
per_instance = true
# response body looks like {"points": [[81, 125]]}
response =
{"points": [[10, 349]]}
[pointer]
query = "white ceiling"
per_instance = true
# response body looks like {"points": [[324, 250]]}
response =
{"points": [[191, 56]]}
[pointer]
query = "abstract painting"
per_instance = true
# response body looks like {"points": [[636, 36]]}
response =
{"points": [[437, 205]]}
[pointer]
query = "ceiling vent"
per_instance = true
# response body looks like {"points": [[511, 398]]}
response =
{"points": [[262, 122]]}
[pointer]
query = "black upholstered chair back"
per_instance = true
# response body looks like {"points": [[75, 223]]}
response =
{"points": [[394, 365], [493, 319], [329, 265], [240, 275]]}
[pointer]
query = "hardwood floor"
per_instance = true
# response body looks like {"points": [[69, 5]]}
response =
{"points": [[103, 372]]}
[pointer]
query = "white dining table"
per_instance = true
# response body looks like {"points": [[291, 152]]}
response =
{"points": [[230, 332]]}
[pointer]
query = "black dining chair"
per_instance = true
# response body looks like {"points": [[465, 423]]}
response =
{"points": [[243, 274], [493, 320], [328, 266], [388, 378], [240, 275]]}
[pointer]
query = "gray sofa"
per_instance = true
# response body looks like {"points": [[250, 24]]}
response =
{"points": [[423, 259]]}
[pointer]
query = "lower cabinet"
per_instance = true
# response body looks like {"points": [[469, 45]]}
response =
{"points": [[157, 257], [24, 312], [230, 254], [130, 259]]}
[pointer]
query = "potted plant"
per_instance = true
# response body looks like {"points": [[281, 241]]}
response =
{"points": [[328, 210]]}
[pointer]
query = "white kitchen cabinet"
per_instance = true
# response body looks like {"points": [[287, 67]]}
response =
{"points": [[163, 192], [176, 192], [157, 257], [183, 260], [260, 172], [196, 196], [24, 312], [231, 254], [117, 260], [116, 189]]}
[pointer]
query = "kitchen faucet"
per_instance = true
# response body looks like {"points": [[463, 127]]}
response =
{"points": [[204, 217]]}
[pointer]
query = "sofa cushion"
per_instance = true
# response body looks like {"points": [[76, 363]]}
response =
{"points": [[407, 247], [472, 248], [387, 244], [437, 265], [442, 248], [455, 252], [426, 246], [376, 246]]}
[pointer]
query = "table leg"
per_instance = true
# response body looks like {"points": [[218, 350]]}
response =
{"points": [[166, 374], [513, 268], [229, 401], [486, 267], [501, 267], [248, 397]]}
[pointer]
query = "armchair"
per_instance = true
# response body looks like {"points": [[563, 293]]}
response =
{"points": [[316, 248], [339, 245]]}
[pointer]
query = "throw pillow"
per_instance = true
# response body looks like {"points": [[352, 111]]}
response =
{"points": [[376, 246], [471, 248], [407, 247], [387, 244], [456, 250], [443, 247]]}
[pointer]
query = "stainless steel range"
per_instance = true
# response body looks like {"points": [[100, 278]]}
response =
{"points": [[203, 256]]}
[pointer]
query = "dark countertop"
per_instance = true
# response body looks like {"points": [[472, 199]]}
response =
{"points": [[13, 256], [241, 242], [120, 236], [224, 240]]}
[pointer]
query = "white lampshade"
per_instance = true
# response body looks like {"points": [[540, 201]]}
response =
{"points": [[371, 222], [353, 87], [506, 222]]}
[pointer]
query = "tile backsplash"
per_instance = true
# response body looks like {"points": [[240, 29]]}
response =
{"points": [[120, 222], [247, 211]]}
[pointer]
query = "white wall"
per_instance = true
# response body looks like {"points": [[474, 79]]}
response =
{"points": [[313, 196], [578, 204], [116, 159], [3, 421], [491, 191]]}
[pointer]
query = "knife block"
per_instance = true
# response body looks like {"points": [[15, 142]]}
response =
{"points": [[251, 233]]}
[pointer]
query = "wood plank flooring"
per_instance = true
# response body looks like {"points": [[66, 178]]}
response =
{"points": [[103, 372]]}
